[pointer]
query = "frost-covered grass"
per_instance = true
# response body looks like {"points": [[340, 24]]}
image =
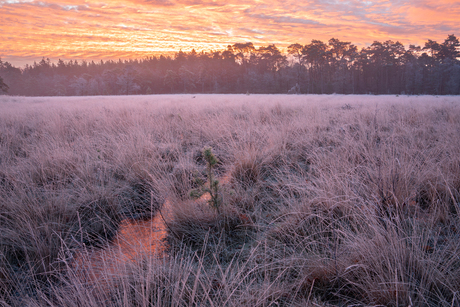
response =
{"points": [[327, 200]]}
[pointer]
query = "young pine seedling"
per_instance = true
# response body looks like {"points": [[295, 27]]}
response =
{"points": [[213, 189]]}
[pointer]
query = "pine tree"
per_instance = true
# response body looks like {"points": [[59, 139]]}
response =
{"points": [[3, 87]]}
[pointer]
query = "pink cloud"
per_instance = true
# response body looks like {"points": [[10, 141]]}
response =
{"points": [[139, 28]]}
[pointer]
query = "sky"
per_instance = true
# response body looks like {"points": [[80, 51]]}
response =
{"points": [[92, 30]]}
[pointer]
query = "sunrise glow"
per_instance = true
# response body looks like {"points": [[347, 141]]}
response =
{"points": [[70, 29]]}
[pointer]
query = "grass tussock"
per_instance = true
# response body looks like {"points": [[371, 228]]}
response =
{"points": [[319, 200]]}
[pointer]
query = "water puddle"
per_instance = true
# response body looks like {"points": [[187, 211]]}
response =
{"points": [[134, 239]]}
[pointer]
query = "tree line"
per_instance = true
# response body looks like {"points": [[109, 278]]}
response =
{"points": [[316, 68]]}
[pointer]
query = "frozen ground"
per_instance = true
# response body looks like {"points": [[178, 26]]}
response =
{"points": [[187, 100]]}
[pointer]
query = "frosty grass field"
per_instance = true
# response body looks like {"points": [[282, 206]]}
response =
{"points": [[325, 200]]}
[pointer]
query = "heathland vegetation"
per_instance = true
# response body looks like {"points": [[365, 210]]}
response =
{"points": [[315, 200], [315, 68]]}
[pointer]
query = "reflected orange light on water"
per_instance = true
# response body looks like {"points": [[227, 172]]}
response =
{"points": [[134, 240], [142, 237]]}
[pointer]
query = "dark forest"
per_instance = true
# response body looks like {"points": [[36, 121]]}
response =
{"points": [[316, 68]]}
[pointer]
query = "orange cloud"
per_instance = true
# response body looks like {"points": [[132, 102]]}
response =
{"points": [[88, 29]]}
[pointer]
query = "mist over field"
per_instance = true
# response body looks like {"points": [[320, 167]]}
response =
{"points": [[195, 102], [311, 200]]}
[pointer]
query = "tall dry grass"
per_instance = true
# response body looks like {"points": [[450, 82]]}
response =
{"points": [[327, 200]]}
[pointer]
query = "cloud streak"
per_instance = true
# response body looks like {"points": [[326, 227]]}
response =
{"points": [[140, 28]]}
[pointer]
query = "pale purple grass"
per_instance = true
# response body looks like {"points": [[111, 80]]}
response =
{"points": [[330, 199]]}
